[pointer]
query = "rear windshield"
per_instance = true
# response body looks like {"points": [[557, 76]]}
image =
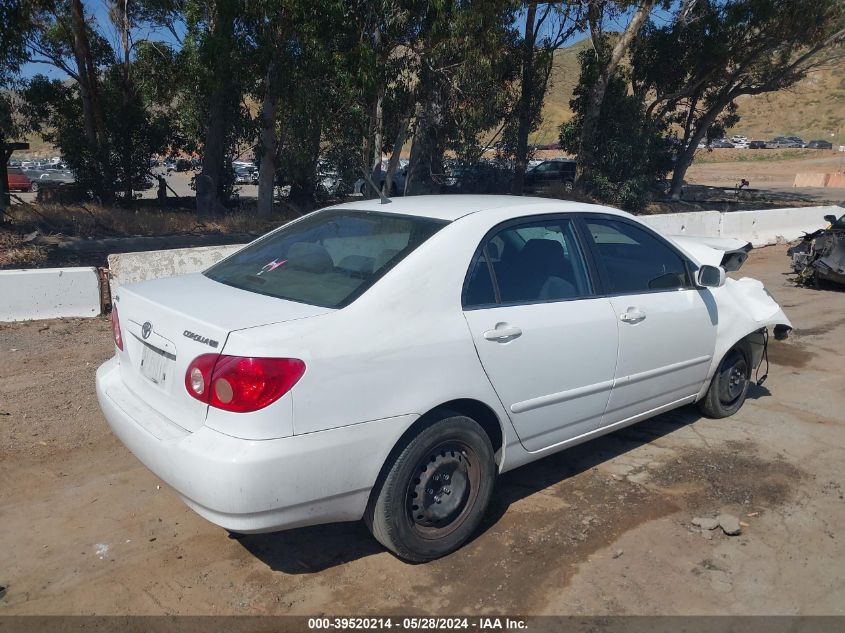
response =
{"points": [[328, 258]]}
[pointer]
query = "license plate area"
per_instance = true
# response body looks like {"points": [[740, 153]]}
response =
{"points": [[155, 364]]}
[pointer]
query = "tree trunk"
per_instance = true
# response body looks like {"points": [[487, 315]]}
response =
{"points": [[398, 142], [267, 166], [126, 100], [525, 101], [586, 149], [304, 186], [684, 159], [5, 199], [378, 140], [92, 116], [211, 202], [426, 150]]}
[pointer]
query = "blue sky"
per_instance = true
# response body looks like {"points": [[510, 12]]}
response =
{"points": [[98, 9]]}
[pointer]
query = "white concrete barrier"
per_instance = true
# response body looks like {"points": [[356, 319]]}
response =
{"points": [[127, 268], [49, 293], [691, 223], [775, 226]]}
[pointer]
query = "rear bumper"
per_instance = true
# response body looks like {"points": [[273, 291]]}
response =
{"points": [[254, 485]]}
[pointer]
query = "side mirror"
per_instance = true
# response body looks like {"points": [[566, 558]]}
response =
{"points": [[710, 277], [831, 219]]}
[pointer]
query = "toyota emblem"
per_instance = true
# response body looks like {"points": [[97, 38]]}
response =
{"points": [[146, 330]]}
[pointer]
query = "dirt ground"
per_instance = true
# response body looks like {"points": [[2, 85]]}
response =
{"points": [[725, 169], [604, 528]]}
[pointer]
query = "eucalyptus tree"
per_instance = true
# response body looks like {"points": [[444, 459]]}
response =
{"points": [[464, 66], [16, 22], [610, 53], [547, 25], [695, 67]]}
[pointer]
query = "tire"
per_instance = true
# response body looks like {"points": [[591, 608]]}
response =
{"points": [[420, 518], [729, 386], [34, 187]]}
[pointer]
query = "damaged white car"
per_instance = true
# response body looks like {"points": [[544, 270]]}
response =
{"points": [[388, 361]]}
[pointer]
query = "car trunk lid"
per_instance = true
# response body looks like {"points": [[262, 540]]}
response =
{"points": [[167, 323]]}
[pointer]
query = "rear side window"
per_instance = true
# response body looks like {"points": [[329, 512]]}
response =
{"points": [[528, 263], [327, 259], [635, 260]]}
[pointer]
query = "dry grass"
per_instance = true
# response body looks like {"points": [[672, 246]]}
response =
{"points": [[94, 221], [812, 109], [15, 253]]}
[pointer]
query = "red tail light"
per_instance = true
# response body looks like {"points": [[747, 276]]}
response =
{"points": [[241, 384], [115, 327]]}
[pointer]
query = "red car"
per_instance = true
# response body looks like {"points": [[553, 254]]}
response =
{"points": [[17, 181]]}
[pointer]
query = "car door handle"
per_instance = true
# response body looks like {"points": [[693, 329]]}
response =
{"points": [[502, 332], [632, 315]]}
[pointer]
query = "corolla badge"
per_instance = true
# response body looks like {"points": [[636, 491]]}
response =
{"points": [[199, 338], [146, 330]]}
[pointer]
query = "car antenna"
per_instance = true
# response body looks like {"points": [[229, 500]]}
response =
{"points": [[384, 198]]}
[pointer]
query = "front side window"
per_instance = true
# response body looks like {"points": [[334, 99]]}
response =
{"points": [[635, 260], [326, 259], [527, 263]]}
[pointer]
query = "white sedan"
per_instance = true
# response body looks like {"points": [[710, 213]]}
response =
{"points": [[387, 361]]}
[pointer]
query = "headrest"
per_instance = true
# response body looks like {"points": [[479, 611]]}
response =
{"points": [[540, 249], [310, 257]]}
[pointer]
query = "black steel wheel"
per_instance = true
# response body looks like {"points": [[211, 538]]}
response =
{"points": [[444, 490], [729, 386], [433, 494], [733, 375]]}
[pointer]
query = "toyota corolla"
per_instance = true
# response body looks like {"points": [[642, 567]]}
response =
{"points": [[388, 361]]}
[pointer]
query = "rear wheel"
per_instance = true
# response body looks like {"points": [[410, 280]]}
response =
{"points": [[435, 492], [729, 387]]}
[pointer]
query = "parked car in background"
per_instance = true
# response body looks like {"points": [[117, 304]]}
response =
{"points": [[183, 164], [387, 362], [721, 143], [756, 144], [550, 174], [53, 177], [246, 176], [786, 142], [819, 144], [397, 185], [480, 177], [16, 180]]}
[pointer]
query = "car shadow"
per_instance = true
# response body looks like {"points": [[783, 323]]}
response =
{"points": [[314, 549]]}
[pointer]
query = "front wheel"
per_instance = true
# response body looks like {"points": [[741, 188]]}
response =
{"points": [[435, 492], [729, 387]]}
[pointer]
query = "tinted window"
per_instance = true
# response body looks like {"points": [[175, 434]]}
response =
{"points": [[479, 285], [328, 258], [532, 262], [635, 260]]}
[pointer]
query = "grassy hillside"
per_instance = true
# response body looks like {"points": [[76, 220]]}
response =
{"points": [[811, 109]]}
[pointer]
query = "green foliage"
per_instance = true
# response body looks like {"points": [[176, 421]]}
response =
{"points": [[633, 152], [698, 64], [135, 132]]}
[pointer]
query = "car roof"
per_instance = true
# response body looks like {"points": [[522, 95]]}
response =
{"points": [[452, 207]]}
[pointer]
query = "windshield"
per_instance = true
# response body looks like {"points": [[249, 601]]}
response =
{"points": [[328, 258]]}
